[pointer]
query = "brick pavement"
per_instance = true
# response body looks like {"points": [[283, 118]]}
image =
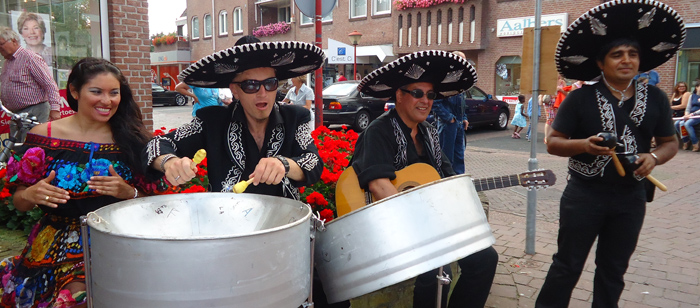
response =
{"points": [[665, 268]]}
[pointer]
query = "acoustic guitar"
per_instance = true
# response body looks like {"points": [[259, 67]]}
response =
{"points": [[349, 196]]}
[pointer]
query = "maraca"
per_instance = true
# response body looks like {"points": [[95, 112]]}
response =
{"points": [[610, 141], [241, 186], [630, 161]]}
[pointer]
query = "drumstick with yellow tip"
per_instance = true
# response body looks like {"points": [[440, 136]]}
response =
{"points": [[198, 158], [241, 186]]}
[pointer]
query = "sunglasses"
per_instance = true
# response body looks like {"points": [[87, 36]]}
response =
{"points": [[253, 86], [418, 93]]}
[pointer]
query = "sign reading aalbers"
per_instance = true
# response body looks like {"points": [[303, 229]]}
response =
{"points": [[308, 7]]}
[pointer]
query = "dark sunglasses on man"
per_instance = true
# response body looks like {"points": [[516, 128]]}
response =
{"points": [[251, 86], [418, 93]]}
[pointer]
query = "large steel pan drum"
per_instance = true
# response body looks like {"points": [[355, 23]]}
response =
{"points": [[401, 237], [200, 250]]}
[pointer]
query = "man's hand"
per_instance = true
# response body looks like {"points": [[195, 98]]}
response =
{"points": [[591, 146], [466, 124], [54, 115], [179, 170], [269, 170]]}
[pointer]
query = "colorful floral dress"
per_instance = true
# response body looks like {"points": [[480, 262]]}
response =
{"points": [[53, 257]]}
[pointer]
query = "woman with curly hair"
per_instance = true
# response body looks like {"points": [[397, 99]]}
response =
{"points": [[70, 167]]}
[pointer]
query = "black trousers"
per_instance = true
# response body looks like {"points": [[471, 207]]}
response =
{"points": [[614, 215], [472, 288]]}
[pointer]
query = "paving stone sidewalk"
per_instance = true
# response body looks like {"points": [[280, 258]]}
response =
{"points": [[665, 268]]}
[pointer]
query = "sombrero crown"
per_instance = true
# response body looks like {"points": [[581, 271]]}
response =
{"points": [[450, 74], [289, 59], [657, 27]]}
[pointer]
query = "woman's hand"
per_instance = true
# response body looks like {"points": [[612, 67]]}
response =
{"points": [[43, 193], [112, 185]]}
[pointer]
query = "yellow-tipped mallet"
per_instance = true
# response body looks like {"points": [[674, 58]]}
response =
{"points": [[241, 186], [199, 157]]}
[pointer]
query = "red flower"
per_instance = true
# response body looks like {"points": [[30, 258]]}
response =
{"points": [[5, 193], [326, 215]]}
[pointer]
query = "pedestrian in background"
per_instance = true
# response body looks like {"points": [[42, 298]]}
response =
{"points": [[203, 97], [519, 118], [26, 82], [452, 123]]}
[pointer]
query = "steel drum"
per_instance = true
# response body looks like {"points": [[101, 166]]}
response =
{"points": [[401, 237], [200, 250]]}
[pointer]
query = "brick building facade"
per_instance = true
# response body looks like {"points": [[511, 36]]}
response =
{"points": [[472, 27], [130, 47]]}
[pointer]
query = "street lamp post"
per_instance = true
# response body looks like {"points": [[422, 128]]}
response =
{"points": [[354, 39]]}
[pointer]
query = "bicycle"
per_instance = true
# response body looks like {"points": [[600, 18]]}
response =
{"points": [[24, 123]]}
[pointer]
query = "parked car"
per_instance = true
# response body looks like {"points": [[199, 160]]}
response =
{"points": [[161, 96], [343, 104], [482, 109]]}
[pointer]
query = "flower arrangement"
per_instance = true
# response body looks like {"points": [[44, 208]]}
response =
{"points": [[165, 39], [401, 5], [335, 149], [272, 29]]}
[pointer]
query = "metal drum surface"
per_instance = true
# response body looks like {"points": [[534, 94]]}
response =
{"points": [[401, 237], [200, 250]]}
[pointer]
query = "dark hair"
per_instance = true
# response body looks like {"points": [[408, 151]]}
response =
{"points": [[624, 41], [521, 98], [127, 127]]}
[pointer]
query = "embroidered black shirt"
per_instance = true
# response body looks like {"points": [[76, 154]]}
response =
{"points": [[232, 153]]}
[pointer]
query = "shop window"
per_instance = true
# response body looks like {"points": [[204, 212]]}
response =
{"points": [[688, 68], [237, 20], [67, 31], [508, 76], [195, 28], [381, 7], [223, 23], [358, 8], [207, 26]]}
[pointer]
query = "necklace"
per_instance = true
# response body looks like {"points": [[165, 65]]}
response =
{"points": [[622, 93]]}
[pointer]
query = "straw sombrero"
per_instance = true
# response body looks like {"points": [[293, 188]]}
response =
{"points": [[657, 27], [450, 74], [289, 59]]}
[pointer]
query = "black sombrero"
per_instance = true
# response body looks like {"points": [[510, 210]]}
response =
{"points": [[450, 74], [657, 27], [289, 59]]}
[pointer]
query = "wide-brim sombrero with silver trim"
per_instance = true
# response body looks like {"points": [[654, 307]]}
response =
{"points": [[289, 59], [450, 74], [657, 27]]}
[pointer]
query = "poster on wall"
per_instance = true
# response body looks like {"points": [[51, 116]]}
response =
{"points": [[34, 30]]}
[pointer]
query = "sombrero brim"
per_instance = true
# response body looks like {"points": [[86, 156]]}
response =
{"points": [[289, 59], [657, 27], [450, 74]]}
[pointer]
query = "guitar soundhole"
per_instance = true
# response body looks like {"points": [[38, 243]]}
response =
{"points": [[408, 185]]}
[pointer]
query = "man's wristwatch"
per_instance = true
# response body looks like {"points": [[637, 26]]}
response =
{"points": [[285, 163]]}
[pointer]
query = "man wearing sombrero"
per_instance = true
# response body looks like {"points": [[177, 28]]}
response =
{"points": [[402, 137], [615, 41]]}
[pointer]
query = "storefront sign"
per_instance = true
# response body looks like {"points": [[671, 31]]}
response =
{"points": [[514, 26], [339, 53]]}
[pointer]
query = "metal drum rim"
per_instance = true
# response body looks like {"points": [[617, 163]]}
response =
{"points": [[397, 196], [91, 215]]}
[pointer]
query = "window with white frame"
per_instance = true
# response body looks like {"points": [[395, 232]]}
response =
{"points": [[358, 8], [284, 14], [223, 22], [237, 20], [305, 20], [381, 7], [207, 26], [195, 27], [328, 17]]}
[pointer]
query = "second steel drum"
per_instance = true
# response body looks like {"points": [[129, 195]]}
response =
{"points": [[200, 250], [401, 237]]}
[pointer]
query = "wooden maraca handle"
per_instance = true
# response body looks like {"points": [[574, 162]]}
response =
{"points": [[618, 165], [656, 182]]}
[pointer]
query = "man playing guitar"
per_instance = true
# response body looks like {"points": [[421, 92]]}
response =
{"points": [[401, 137]]}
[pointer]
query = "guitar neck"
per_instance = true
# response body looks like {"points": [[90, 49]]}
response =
{"points": [[496, 182]]}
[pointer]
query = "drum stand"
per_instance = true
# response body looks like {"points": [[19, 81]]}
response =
{"points": [[86, 259], [316, 224], [442, 279]]}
